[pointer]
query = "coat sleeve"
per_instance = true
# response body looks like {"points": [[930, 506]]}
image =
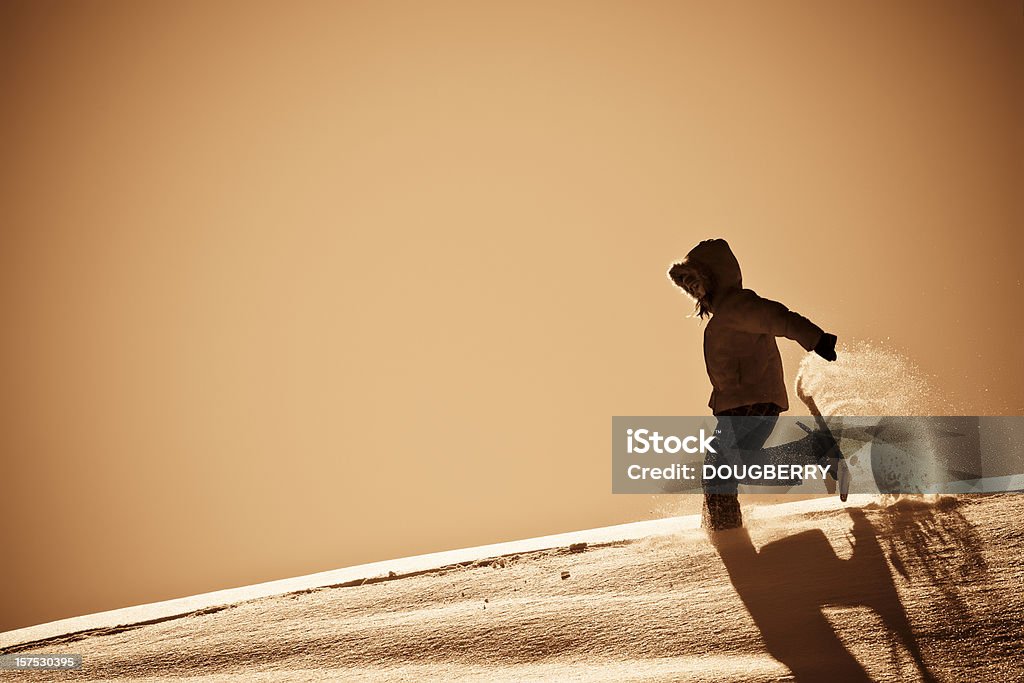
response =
{"points": [[748, 312]]}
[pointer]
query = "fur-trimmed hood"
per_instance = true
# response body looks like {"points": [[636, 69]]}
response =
{"points": [[708, 272]]}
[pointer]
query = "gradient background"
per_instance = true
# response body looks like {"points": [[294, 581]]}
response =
{"points": [[293, 286]]}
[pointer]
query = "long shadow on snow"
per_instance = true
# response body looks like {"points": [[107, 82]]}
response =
{"points": [[785, 584]]}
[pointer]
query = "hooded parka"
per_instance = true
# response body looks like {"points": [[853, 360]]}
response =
{"points": [[740, 351]]}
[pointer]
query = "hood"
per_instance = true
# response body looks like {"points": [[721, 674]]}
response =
{"points": [[717, 257]]}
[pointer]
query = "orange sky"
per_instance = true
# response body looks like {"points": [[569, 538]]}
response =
{"points": [[294, 286]]}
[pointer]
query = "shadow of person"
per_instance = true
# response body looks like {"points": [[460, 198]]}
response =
{"points": [[916, 532], [786, 583]]}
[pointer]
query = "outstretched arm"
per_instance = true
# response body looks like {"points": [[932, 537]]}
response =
{"points": [[749, 312]]}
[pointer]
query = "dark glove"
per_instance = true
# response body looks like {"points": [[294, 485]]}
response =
{"points": [[826, 347]]}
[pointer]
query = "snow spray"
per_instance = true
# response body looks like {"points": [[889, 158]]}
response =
{"points": [[869, 380]]}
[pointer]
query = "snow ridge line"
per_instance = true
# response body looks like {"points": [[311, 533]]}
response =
{"points": [[127, 618]]}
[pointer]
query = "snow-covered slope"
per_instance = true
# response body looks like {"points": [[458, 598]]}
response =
{"points": [[810, 591]]}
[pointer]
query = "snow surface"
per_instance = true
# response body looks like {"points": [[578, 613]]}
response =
{"points": [[810, 591]]}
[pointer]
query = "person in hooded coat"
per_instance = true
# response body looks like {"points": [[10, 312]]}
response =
{"points": [[742, 359]]}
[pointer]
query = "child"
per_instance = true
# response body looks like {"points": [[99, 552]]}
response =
{"points": [[742, 359]]}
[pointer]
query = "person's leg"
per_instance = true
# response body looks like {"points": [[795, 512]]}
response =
{"points": [[721, 508], [739, 429]]}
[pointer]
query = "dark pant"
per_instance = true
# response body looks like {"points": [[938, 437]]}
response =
{"points": [[733, 437]]}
